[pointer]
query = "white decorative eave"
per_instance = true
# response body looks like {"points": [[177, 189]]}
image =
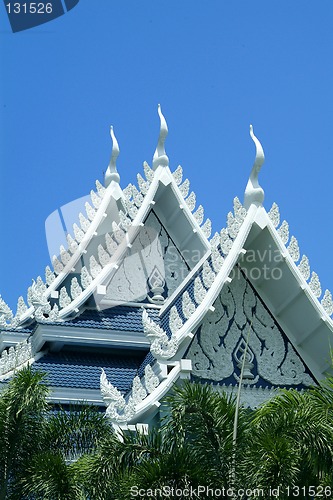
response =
{"points": [[10, 338], [151, 403], [73, 335], [258, 219], [221, 278], [162, 176], [113, 191]]}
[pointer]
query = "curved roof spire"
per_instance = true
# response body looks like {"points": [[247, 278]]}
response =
{"points": [[254, 194], [111, 173], [160, 157]]}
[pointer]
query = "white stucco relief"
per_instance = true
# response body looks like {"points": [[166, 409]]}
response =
{"points": [[218, 347]]}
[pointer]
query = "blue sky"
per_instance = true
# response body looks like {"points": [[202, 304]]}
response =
{"points": [[215, 67]]}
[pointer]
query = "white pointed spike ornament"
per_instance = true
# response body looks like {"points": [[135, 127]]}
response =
{"points": [[315, 285], [149, 172], [64, 298], [76, 290], [160, 157], [100, 189], [327, 302], [304, 267], [111, 173], [96, 200], [178, 175], [254, 194]]}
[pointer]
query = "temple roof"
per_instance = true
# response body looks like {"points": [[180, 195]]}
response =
{"points": [[83, 290]]}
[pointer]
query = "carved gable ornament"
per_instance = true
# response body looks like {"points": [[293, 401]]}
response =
{"points": [[218, 347]]}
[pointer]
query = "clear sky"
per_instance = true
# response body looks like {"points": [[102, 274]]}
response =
{"points": [[215, 66]]}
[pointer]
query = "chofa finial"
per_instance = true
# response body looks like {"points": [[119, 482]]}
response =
{"points": [[160, 157], [254, 194], [111, 173]]}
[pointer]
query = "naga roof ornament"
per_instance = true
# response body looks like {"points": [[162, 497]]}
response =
{"points": [[111, 173], [160, 157], [254, 194]]}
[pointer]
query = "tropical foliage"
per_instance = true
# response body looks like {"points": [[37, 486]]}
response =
{"points": [[286, 443], [39, 445]]}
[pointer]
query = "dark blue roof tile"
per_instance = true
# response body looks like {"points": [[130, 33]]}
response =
{"points": [[125, 318], [83, 369]]}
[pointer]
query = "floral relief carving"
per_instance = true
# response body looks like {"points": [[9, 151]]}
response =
{"points": [[218, 345], [304, 267], [21, 307], [72, 244], [86, 279], [161, 346], [91, 212], [76, 290], [187, 305], [16, 356], [118, 234], [327, 302], [84, 222], [117, 408], [143, 185], [132, 210], [233, 225], [124, 221], [64, 255], [217, 260], [128, 191], [293, 249], [199, 214], [151, 380], [100, 189], [57, 265], [111, 245], [175, 321], [283, 232], [184, 188], [190, 201], [149, 172], [315, 285], [6, 314], [64, 298], [103, 256], [137, 196], [199, 290], [49, 275], [208, 275], [95, 268], [239, 211], [225, 241], [207, 228], [78, 233], [274, 215], [95, 199], [178, 175]]}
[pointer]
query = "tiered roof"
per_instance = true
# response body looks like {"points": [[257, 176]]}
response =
{"points": [[75, 307]]}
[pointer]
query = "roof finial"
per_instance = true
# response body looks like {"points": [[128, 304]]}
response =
{"points": [[160, 157], [254, 194], [111, 173]]}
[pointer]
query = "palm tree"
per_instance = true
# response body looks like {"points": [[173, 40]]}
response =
{"points": [[39, 445], [75, 455], [291, 443], [193, 447], [22, 418]]}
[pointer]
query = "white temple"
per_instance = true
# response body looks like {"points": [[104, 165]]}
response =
{"points": [[143, 297]]}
